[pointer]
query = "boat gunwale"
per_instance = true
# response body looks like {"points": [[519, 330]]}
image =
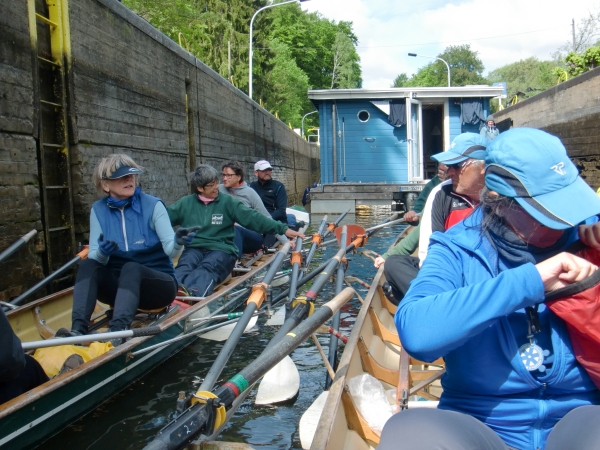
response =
{"points": [[55, 383]]}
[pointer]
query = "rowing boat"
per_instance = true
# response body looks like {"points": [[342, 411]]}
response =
{"points": [[373, 349], [33, 417]]}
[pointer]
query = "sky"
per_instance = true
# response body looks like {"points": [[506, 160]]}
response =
{"points": [[501, 32]]}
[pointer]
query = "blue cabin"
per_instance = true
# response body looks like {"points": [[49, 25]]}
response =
{"points": [[388, 135]]}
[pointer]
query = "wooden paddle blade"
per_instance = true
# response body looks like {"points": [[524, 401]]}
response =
{"points": [[223, 333], [353, 231], [310, 420], [278, 318], [279, 384]]}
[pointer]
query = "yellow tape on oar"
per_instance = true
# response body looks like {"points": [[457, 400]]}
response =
{"points": [[199, 398], [52, 358], [302, 299]]}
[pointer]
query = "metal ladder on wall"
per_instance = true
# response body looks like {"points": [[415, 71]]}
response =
{"points": [[50, 40]]}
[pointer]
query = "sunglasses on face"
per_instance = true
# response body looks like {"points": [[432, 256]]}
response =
{"points": [[461, 165]]}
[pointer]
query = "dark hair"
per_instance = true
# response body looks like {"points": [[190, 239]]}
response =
{"points": [[493, 207], [203, 175], [236, 166]]}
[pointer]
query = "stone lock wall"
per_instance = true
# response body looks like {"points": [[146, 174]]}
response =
{"points": [[130, 90]]}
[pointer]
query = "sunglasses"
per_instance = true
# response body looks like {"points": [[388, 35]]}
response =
{"points": [[461, 165]]}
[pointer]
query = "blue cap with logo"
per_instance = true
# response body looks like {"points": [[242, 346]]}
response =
{"points": [[533, 167], [464, 146], [121, 172]]}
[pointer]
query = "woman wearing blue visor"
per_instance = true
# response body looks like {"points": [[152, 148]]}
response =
{"points": [[512, 380], [131, 245]]}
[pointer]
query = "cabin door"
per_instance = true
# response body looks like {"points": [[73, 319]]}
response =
{"points": [[414, 136]]}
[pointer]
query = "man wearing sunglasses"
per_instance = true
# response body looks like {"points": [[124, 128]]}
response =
{"points": [[449, 203]]}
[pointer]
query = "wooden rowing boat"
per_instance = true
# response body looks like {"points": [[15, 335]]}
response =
{"points": [[373, 348], [33, 417]]}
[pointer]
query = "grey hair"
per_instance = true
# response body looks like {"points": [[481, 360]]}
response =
{"points": [[106, 166], [203, 175], [493, 208]]}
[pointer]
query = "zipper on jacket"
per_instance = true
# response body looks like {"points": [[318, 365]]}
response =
{"points": [[537, 431], [123, 227]]}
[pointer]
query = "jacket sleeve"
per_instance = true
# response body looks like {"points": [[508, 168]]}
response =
{"points": [[406, 246], [281, 202], [95, 231], [162, 225], [420, 203], [174, 212], [12, 357], [438, 314], [254, 220]]}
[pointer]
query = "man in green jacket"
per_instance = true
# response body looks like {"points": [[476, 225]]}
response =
{"points": [[210, 255]]}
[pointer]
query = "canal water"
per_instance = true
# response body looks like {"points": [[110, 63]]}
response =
{"points": [[132, 418]]}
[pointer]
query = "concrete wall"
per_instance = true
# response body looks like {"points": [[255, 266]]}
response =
{"points": [[127, 90], [571, 111]]}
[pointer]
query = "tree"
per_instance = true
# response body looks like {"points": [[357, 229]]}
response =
{"points": [[527, 76], [587, 32], [400, 80], [345, 62], [578, 64]]}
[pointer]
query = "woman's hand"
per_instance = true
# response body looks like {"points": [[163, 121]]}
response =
{"points": [[590, 235], [378, 262], [564, 269], [106, 248], [291, 234], [185, 236]]}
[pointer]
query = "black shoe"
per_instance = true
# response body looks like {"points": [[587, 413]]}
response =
{"points": [[115, 341], [387, 290], [72, 362], [63, 332]]}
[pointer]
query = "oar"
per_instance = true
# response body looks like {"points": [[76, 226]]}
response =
{"points": [[17, 245], [333, 225], [81, 255], [336, 333], [208, 409], [370, 231], [258, 295], [316, 240], [136, 332]]}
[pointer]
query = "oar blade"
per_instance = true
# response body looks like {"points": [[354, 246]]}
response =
{"points": [[353, 230], [310, 420], [279, 384], [278, 318], [280, 281], [223, 333]]}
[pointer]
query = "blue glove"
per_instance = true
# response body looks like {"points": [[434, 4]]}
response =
{"points": [[185, 236], [106, 248]]}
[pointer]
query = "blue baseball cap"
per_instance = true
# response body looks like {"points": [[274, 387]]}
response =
{"points": [[121, 172], [464, 146], [533, 167]]}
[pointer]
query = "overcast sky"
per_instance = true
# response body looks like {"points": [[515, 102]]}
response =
{"points": [[501, 32]]}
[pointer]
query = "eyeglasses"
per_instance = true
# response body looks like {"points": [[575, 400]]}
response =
{"points": [[461, 165], [211, 184], [228, 175]]}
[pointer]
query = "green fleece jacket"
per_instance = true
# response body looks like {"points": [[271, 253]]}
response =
{"points": [[217, 219]]}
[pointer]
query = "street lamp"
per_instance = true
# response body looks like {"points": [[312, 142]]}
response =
{"points": [[251, 25], [434, 57], [307, 114]]}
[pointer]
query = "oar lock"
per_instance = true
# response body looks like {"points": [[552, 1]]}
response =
{"points": [[206, 397], [316, 238], [301, 299], [258, 294]]}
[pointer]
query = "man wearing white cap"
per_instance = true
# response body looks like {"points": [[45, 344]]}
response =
{"points": [[271, 192]]}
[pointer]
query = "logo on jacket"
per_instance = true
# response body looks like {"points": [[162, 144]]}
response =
{"points": [[558, 168], [217, 219], [141, 241]]}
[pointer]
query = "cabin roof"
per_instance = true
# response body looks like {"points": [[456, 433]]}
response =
{"points": [[405, 92]]}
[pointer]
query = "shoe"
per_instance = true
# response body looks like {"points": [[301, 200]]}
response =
{"points": [[183, 292], [63, 332], [115, 341], [387, 290], [72, 362]]}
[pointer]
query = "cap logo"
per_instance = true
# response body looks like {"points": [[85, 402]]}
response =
{"points": [[558, 168]]}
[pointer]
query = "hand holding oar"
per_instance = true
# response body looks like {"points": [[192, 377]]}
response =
{"points": [[81, 255], [17, 245], [258, 295], [208, 410]]}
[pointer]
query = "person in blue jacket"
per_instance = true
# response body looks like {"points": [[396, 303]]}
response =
{"points": [[511, 378], [131, 245]]}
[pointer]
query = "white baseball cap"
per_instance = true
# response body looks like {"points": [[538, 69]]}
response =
{"points": [[263, 164]]}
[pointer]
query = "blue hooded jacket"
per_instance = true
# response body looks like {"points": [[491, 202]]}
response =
{"points": [[461, 309]]}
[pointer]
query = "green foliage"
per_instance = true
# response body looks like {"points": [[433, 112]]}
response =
{"points": [[400, 80], [580, 63], [526, 77], [465, 68], [346, 68]]}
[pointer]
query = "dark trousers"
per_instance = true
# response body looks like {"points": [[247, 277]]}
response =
{"points": [[134, 286], [429, 428], [399, 271], [247, 241], [31, 376], [200, 271]]}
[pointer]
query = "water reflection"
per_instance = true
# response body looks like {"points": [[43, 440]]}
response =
{"points": [[132, 418]]}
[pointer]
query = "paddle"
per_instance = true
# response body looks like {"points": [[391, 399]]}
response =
{"points": [[73, 340], [370, 231], [17, 245], [258, 295], [333, 225], [81, 255], [316, 240], [207, 412]]}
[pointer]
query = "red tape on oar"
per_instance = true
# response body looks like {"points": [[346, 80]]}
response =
{"points": [[353, 230]]}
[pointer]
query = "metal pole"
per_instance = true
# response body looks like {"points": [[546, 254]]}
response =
{"points": [[435, 57], [251, 53], [304, 117]]}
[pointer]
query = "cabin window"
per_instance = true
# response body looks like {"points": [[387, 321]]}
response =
{"points": [[363, 116]]}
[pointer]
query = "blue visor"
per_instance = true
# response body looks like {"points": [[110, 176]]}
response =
{"points": [[121, 172]]}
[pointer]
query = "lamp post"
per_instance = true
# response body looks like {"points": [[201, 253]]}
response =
{"points": [[304, 117], [251, 25], [434, 57]]}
